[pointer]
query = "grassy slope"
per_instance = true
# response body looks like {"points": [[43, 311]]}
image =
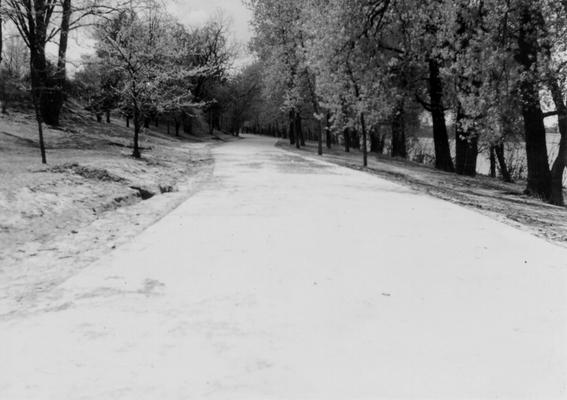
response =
{"points": [[57, 218], [502, 201]]}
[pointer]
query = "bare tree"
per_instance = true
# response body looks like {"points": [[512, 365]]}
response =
{"points": [[42, 21]]}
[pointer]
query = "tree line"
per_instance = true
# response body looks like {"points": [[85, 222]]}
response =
{"points": [[145, 65], [494, 69]]}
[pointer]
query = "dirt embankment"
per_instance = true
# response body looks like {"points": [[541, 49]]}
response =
{"points": [[91, 197], [502, 201]]}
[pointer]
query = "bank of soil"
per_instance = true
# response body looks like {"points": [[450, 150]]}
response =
{"points": [[502, 201], [92, 196]]}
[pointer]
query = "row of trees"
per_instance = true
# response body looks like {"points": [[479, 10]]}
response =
{"points": [[39, 23], [148, 66], [145, 65], [492, 66]]}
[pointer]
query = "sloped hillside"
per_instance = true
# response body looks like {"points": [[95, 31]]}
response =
{"points": [[91, 195]]}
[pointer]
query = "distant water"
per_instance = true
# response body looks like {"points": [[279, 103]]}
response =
{"points": [[423, 150]]}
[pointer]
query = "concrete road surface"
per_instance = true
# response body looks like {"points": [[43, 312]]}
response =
{"points": [[290, 278]]}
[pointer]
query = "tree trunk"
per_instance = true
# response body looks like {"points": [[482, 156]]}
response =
{"points": [[539, 176], [291, 128], [471, 156], [55, 103], [137, 128], [320, 138], [36, 102], [98, 117], [558, 168], [346, 135], [443, 159], [329, 139], [299, 131], [500, 155], [374, 140], [364, 140], [211, 126], [127, 122], [32, 21], [354, 139], [492, 162], [39, 78], [460, 141], [187, 121], [108, 116], [466, 146], [466, 136], [177, 127], [398, 132]]}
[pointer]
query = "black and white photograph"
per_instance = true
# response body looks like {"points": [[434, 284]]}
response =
{"points": [[283, 199]]}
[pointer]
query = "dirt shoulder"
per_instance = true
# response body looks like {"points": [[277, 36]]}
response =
{"points": [[502, 201], [90, 198]]}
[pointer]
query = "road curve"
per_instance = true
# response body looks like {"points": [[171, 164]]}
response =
{"points": [[290, 278]]}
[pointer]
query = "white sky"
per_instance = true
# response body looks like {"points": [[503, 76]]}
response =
{"points": [[197, 12]]}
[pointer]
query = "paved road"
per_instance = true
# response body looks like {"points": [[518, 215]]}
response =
{"points": [[288, 278]]}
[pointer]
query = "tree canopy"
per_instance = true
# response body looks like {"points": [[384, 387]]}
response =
{"points": [[489, 69]]}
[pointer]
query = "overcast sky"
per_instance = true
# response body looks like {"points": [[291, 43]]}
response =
{"points": [[197, 12]]}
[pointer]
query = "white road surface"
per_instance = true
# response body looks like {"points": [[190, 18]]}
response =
{"points": [[290, 278]]}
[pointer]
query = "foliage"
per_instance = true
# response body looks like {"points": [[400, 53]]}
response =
{"points": [[490, 65]]}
